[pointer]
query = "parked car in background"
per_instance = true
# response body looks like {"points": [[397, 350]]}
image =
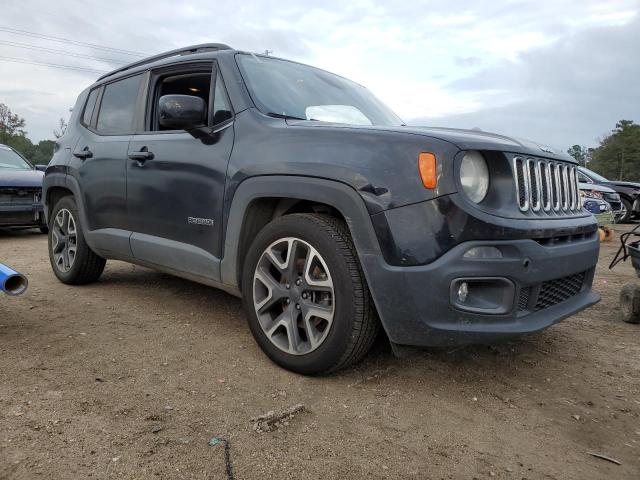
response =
{"points": [[606, 199], [20, 191], [629, 192]]}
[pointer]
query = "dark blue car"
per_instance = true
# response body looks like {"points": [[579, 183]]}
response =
{"points": [[20, 191]]}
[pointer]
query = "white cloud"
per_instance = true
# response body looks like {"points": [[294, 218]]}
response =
{"points": [[415, 55]]}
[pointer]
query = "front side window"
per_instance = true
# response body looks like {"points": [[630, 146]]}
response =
{"points": [[118, 106], [284, 88], [196, 84], [11, 160]]}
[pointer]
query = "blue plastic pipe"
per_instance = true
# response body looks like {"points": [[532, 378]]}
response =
{"points": [[12, 282]]}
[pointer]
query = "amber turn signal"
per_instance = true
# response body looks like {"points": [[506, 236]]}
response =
{"points": [[427, 167]]}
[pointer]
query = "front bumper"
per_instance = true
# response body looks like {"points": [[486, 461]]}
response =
{"points": [[549, 279], [22, 215]]}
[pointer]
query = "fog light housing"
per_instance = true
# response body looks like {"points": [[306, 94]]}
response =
{"points": [[485, 295], [483, 253]]}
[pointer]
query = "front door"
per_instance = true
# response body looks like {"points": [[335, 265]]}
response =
{"points": [[175, 182]]}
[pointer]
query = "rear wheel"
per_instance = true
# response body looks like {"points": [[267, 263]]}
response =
{"points": [[72, 260], [305, 296], [625, 216]]}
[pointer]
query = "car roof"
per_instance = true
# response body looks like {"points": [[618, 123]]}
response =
{"points": [[200, 51]]}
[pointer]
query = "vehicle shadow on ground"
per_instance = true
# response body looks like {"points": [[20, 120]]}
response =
{"points": [[17, 233], [500, 358]]}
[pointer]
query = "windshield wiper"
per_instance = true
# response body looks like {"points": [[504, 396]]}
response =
{"points": [[284, 115]]}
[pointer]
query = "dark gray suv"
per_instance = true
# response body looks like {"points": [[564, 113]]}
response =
{"points": [[299, 191]]}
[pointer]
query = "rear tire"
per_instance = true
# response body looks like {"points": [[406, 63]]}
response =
{"points": [[630, 303], [72, 261], [322, 275]]}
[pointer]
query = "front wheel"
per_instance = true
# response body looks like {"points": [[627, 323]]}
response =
{"points": [[305, 295], [72, 260]]}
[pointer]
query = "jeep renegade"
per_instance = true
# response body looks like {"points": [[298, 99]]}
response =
{"points": [[300, 192]]}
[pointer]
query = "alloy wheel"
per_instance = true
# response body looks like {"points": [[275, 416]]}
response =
{"points": [[293, 296], [64, 240]]}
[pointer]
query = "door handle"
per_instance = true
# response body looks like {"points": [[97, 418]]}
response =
{"points": [[141, 156], [83, 154]]}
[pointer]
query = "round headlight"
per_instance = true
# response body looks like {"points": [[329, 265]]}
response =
{"points": [[474, 176]]}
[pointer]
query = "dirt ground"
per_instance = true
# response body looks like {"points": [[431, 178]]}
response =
{"points": [[131, 377]]}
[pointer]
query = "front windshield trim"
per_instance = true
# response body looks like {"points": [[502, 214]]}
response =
{"points": [[389, 118], [28, 165]]}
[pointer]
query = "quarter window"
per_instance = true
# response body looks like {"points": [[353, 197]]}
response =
{"points": [[90, 107], [118, 106], [221, 107]]}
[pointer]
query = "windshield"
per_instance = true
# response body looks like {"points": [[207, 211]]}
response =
{"points": [[592, 174], [289, 89], [10, 159]]}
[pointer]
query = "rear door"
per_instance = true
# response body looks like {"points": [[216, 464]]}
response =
{"points": [[100, 156], [175, 195]]}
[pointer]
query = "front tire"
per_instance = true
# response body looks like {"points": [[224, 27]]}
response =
{"points": [[72, 261], [305, 296]]}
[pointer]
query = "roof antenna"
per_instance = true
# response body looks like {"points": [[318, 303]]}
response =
{"points": [[268, 52]]}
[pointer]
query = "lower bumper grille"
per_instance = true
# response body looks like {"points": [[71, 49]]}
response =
{"points": [[550, 293]]}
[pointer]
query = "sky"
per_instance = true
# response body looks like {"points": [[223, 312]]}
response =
{"points": [[561, 72]]}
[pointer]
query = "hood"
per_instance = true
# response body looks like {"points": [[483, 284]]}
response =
{"points": [[20, 178], [479, 140], [625, 184], [463, 139], [596, 188]]}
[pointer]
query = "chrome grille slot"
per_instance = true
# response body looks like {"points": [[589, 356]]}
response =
{"points": [[521, 184], [574, 187], [565, 187], [546, 186], [534, 185]]}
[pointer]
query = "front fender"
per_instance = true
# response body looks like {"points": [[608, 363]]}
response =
{"points": [[338, 195]]}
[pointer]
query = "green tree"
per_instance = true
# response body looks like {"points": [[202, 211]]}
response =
{"points": [[43, 152], [581, 154], [618, 155], [13, 134], [11, 124]]}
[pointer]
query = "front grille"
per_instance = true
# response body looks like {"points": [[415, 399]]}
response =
{"points": [[553, 292], [20, 196], [550, 293], [523, 300], [546, 187]]}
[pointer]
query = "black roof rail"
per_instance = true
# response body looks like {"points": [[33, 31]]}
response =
{"points": [[203, 47]]}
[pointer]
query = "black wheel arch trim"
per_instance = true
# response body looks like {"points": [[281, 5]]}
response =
{"points": [[335, 194]]}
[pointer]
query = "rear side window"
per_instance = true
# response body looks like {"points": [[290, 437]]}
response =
{"points": [[90, 107], [118, 106]]}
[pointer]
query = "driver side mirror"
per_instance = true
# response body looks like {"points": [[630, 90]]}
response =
{"points": [[181, 112]]}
